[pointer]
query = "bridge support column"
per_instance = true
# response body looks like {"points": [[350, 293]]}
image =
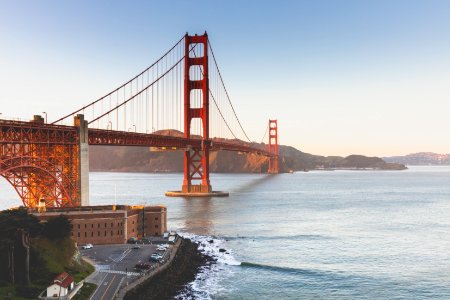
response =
{"points": [[196, 160], [273, 147], [83, 160]]}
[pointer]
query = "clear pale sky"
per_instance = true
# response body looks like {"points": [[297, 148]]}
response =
{"points": [[342, 77]]}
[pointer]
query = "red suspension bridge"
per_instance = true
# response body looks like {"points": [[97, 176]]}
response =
{"points": [[179, 102]]}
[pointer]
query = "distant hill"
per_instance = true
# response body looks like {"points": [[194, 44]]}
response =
{"points": [[421, 158], [143, 159]]}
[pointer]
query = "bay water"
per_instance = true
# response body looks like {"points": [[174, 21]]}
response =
{"points": [[307, 235]]}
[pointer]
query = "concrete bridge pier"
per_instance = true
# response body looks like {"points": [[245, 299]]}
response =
{"points": [[83, 159]]}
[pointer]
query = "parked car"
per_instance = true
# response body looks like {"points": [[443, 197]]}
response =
{"points": [[132, 240], [142, 266], [155, 257], [136, 247], [87, 246]]}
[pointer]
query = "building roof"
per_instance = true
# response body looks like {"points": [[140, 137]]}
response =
{"points": [[63, 280]]}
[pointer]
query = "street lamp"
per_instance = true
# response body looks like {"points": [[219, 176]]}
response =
{"points": [[45, 116]]}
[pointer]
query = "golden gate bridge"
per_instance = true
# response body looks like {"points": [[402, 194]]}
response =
{"points": [[180, 102]]}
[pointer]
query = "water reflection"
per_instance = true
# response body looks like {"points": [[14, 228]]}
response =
{"points": [[197, 215]]}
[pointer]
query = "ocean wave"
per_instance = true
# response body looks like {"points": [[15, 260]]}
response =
{"points": [[207, 283], [279, 237], [294, 271]]}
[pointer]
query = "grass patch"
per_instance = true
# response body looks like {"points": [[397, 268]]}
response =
{"points": [[85, 292]]}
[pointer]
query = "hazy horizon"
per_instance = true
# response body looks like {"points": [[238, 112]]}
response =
{"points": [[342, 78]]}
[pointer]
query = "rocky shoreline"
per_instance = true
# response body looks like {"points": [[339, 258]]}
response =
{"points": [[173, 280]]}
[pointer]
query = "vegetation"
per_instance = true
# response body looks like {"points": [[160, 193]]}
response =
{"points": [[85, 292], [57, 228], [33, 253]]}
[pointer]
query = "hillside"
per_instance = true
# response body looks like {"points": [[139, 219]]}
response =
{"points": [[143, 159], [421, 158]]}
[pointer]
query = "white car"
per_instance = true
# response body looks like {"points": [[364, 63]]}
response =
{"points": [[87, 246]]}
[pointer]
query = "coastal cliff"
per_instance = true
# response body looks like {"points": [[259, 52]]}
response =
{"points": [[143, 159]]}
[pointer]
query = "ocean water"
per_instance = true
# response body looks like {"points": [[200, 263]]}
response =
{"points": [[307, 235]]}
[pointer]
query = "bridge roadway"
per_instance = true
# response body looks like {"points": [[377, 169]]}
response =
{"points": [[20, 132]]}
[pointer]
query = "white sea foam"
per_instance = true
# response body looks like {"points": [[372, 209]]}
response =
{"points": [[207, 283]]}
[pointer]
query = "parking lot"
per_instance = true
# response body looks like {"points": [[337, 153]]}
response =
{"points": [[115, 265]]}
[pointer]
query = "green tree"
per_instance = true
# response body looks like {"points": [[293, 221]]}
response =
{"points": [[57, 228], [13, 222]]}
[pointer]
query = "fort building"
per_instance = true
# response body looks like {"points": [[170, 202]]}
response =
{"points": [[109, 224]]}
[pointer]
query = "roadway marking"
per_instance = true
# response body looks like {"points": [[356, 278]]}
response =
{"points": [[108, 287], [98, 287], [119, 272], [122, 256]]}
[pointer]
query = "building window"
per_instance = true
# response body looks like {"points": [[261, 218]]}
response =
{"points": [[71, 226], [111, 233], [105, 232], [111, 225], [156, 219], [78, 226], [85, 234], [156, 226], [98, 233], [72, 233], [78, 234], [92, 225], [118, 232], [92, 234], [98, 225], [132, 230], [133, 222], [85, 225], [105, 225]]}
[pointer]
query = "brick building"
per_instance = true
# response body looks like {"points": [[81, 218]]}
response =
{"points": [[110, 224]]}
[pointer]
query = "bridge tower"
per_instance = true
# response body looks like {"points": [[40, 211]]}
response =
{"points": [[196, 160], [273, 147]]}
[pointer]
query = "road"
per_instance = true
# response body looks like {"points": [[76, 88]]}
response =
{"points": [[115, 265]]}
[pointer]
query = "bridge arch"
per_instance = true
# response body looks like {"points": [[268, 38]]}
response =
{"points": [[34, 178]]}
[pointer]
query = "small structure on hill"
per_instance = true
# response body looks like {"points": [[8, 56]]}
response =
{"points": [[61, 287]]}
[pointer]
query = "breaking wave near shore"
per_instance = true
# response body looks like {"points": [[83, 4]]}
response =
{"points": [[207, 283]]}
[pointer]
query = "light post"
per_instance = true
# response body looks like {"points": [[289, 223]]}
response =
{"points": [[45, 116]]}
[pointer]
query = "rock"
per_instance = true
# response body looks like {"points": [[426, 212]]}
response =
{"points": [[211, 241], [170, 282], [222, 250]]}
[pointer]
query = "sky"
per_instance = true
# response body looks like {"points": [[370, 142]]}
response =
{"points": [[341, 77]]}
